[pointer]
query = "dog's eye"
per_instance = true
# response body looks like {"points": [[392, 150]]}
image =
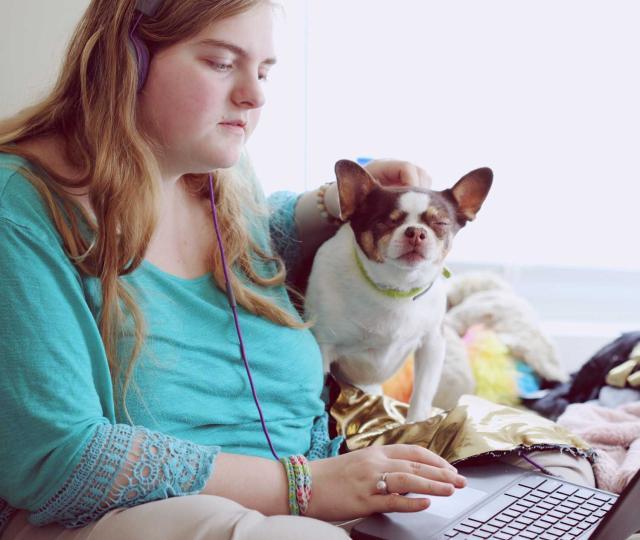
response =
{"points": [[442, 223], [396, 218]]}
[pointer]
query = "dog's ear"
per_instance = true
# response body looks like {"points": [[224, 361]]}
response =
{"points": [[354, 184], [470, 192]]}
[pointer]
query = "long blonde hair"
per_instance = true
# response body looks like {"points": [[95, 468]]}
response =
{"points": [[93, 108]]}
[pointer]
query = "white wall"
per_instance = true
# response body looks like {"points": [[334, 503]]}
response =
{"points": [[33, 36]]}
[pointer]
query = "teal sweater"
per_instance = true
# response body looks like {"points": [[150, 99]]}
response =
{"points": [[62, 441]]}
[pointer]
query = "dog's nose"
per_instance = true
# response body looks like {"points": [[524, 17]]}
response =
{"points": [[417, 234]]}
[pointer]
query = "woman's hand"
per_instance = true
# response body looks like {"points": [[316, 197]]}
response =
{"points": [[399, 173], [344, 487]]}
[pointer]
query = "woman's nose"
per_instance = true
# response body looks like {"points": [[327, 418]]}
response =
{"points": [[249, 93]]}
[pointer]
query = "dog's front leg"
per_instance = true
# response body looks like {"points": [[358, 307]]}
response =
{"points": [[428, 362]]}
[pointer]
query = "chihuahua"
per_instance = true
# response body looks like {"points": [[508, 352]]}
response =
{"points": [[375, 292]]}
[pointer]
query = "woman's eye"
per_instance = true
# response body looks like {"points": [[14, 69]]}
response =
{"points": [[442, 223], [220, 66]]}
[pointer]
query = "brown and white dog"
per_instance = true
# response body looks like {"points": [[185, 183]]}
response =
{"points": [[375, 291]]}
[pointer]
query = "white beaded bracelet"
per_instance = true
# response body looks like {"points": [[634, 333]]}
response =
{"points": [[322, 206]]}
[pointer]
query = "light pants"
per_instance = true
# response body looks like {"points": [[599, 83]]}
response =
{"points": [[196, 517], [205, 517]]}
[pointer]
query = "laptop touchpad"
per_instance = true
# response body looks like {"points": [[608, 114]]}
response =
{"points": [[456, 504]]}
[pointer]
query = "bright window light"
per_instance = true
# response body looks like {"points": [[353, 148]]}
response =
{"points": [[546, 93]]}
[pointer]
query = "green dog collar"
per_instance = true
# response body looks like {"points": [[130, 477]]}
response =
{"points": [[414, 293]]}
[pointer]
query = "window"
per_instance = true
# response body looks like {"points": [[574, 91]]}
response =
{"points": [[546, 93]]}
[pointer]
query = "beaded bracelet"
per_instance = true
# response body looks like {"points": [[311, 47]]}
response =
{"points": [[322, 206], [299, 483]]}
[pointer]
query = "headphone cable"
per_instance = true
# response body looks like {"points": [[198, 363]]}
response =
{"points": [[232, 303]]}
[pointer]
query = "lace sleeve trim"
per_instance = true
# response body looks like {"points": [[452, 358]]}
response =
{"points": [[6, 513], [322, 446], [124, 466]]}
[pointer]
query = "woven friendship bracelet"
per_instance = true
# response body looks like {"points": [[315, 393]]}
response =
{"points": [[322, 206], [302, 473], [294, 509], [299, 483]]}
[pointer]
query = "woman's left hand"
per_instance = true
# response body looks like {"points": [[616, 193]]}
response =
{"points": [[391, 172]]}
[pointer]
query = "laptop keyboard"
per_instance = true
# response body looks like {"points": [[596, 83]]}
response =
{"points": [[535, 508]]}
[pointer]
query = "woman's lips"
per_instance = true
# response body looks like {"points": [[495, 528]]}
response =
{"points": [[233, 127]]}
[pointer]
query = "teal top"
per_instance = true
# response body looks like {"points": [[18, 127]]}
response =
{"points": [[64, 442]]}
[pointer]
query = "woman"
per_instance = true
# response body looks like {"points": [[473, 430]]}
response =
{"points": [[120, 377]]}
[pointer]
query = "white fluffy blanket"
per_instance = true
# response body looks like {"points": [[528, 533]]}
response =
{"points": [[614, 433]]}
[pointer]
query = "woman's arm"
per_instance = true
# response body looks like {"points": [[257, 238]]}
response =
{"points": [[313, 228], [343, 487], [62, 455]]}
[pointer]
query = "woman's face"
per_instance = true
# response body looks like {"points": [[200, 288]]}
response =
{"points": [[203, 96]]}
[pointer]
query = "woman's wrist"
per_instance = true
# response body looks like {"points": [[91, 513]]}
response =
{"points": [[318, 212], [299, 483], [257, 483], [315, 505], [332, 200]]}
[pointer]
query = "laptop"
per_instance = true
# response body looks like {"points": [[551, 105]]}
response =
{"points": [[503, 502]]}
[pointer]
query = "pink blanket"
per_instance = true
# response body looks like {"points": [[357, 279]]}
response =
{"points": [[614, 433]]}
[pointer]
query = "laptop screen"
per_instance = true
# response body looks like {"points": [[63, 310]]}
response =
{"points": [[624, 518]]}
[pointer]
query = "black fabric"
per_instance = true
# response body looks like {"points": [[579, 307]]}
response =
{"points": [[586, 383]]}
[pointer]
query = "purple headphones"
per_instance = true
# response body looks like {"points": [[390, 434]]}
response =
{"points": [[148, 8]]}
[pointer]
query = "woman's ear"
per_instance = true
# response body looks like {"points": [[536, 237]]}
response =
{"points": [[354, 184]]}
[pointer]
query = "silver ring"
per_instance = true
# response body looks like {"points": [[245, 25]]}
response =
{"points": [[381, 485]]}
